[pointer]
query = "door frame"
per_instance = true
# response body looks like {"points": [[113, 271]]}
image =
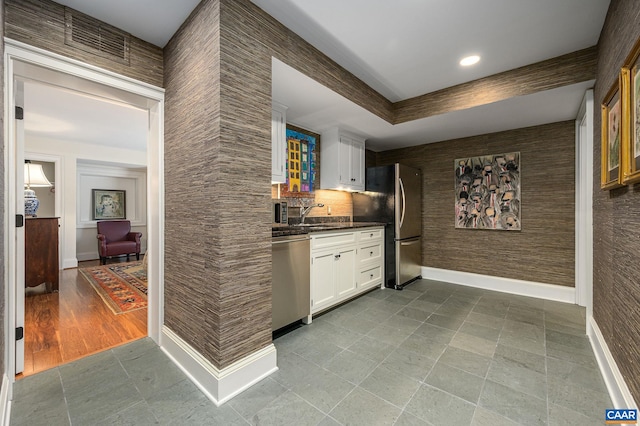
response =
{"points": [[24, 61]]}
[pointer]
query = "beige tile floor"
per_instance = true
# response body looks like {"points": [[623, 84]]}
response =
{"points": [[432, 354]]}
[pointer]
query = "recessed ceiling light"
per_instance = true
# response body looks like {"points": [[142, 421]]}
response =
{"points": [[470, 60]]}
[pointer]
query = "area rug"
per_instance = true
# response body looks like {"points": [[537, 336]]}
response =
{"points": [[122, 286]]}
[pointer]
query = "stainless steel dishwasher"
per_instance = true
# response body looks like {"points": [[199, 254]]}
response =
{"points": [[291, 299]]}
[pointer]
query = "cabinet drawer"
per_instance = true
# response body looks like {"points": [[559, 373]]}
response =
{"points": [[369, 235], [370, 253], [370, 276], [330, 240]]}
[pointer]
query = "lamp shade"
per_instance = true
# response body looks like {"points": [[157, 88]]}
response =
{"points": [[34, 176]]}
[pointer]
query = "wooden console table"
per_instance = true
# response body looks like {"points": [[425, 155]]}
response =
{"points": [[41, 252]]}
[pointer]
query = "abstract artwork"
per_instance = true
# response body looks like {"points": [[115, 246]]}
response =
{"points": [[488, 192]]}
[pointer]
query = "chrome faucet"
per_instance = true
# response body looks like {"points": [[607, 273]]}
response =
{"points": [[305, 210]]}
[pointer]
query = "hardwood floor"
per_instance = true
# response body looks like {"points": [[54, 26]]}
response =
{"points": [[62, 327]]}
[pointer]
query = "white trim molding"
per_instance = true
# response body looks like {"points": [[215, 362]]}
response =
{"points": [[618, 390], [584, 204], [5, 402], [219, 385], [506, 285]]}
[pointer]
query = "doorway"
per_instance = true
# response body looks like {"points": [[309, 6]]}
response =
{"points": [[24, 63], [83, 315]]}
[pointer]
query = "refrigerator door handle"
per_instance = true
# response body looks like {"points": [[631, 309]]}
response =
{"points": [[403, 201], [409, 243]]}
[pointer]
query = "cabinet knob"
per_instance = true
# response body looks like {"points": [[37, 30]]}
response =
{"points": [[337, 256], [371, 275], [370, 235], [370, 253]]}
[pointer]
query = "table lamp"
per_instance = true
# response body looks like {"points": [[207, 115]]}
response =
{"points": [[33, 176]]}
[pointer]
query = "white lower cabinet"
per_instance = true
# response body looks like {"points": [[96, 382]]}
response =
{"points": [[323, 271], [344, 264]]}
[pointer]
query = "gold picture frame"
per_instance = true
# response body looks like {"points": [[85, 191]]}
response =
{"points": [[612, 133], [630, 81]]}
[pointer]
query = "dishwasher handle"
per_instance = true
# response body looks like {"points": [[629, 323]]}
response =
{"points": [[290, 240]]}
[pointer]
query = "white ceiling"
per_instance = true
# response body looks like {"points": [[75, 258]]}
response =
{"points": [[406, 48], [53, 112], [402, 49]]}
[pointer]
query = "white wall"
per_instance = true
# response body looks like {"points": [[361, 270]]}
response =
{"points": [[91, 176], [66, 185]]}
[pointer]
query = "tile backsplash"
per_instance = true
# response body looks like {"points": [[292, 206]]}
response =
{"points": [[336, 204]]}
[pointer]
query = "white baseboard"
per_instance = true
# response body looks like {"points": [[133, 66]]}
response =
{"points": [[506, 285], [218, 385], [5, 403], [618, 390], [89, 255], [69, 263]]}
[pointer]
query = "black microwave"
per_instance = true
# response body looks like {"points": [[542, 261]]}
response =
{"points": [[280, 213]]}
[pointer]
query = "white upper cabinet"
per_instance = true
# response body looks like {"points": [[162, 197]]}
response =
{"points": [[341, 160], [278, 143]]}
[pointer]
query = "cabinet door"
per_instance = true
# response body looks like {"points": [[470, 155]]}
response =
{"points": [[278, 146], [357, 164], [323, 289], [345, 261], [345, 161]]}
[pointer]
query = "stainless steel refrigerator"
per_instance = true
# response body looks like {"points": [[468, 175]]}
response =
{"points": [[393, 195]]}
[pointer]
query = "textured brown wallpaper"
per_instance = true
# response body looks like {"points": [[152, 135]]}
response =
{"points": [[191, 125], [228, 139], [217, 148], [616, 230], [217, 163], [41, 23], [561, 71], [544, 250], [218, 143]]}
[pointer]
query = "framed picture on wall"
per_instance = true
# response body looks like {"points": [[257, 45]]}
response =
{"points": [[611, 170], [487, 192], [108, 204], [303, 163], [631, 116]]}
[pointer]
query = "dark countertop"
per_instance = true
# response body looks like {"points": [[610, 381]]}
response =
{"points": [[282, 230]]}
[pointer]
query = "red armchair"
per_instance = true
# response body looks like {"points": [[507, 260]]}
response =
{"points": [[115, 239]]}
